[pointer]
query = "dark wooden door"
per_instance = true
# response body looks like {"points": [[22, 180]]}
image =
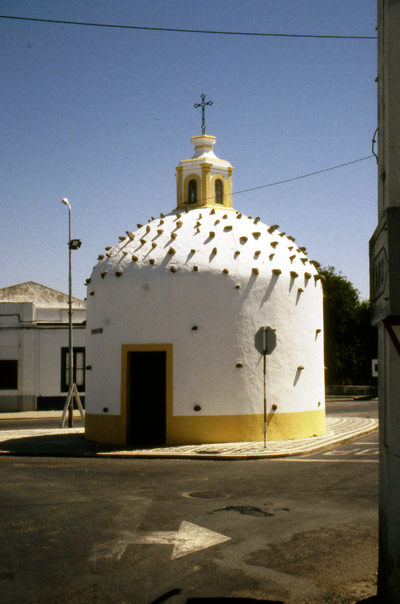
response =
{"points": [[147, 411]]}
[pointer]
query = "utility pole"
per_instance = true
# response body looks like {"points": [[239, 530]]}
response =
{"points": [[385, 298]]}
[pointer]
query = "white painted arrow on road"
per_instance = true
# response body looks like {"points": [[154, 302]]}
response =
{"points": [[188, 539], [114, 541]]}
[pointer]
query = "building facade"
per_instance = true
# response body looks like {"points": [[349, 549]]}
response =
{"points": [[174, 312], [34, 347]]}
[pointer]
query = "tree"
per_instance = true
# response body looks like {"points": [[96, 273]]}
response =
{"points": [[350, 340]]}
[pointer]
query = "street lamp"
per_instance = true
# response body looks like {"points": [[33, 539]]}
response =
{"points": [[73, 244]]}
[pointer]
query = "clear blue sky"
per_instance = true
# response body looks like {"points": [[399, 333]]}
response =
{"points": [[103, 116]]}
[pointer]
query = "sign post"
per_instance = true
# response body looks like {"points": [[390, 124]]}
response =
{"points": [[265, 343]]}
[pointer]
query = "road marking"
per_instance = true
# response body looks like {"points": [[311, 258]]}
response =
{"points": [[355, 451], [374, 451], [187, 539], [112, 543]]}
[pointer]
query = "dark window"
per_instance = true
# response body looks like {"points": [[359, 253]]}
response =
{"points": [[192, 191], [8, 375], [219, 191], [79, 369]]}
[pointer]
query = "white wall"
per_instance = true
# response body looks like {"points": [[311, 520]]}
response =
{"points": [[149, 304]]}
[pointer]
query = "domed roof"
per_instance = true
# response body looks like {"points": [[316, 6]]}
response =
{"points": [[194, 289], [208, 240]]}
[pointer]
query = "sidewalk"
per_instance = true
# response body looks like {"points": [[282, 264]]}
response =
{"points": [[70, 442]]}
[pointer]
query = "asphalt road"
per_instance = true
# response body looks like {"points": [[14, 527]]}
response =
{"points": [[352, 407], [300, 530]]}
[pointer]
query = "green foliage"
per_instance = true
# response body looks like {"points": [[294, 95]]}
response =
{"points": [[350, 341]]}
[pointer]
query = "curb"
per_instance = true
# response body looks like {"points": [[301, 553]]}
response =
{"points": [[340, 430]]}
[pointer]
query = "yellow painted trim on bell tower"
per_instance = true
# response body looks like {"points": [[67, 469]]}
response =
{"points": [[205, 184], [179, 178], [225, 197], [230, 170], [188, 178]]}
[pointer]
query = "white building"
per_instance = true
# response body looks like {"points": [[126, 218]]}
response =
{"points": [[34, 347], [173, 312]]}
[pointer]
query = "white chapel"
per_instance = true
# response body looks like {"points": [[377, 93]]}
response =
{"points": [[173, 310]]}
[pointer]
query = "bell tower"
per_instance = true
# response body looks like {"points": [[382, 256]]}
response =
{"points": [[204, 180]]}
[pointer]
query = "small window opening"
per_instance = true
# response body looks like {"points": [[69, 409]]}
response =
{"points": [[219, 191], [78, 372], [9, 375], [192, 191]]}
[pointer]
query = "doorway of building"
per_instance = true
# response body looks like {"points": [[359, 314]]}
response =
{"points": [[147, 398]]}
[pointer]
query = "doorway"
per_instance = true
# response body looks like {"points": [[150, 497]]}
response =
{"points": [[147, 374]]}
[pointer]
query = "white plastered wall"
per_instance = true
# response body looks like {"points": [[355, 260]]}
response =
{"points": [[149, 304]]}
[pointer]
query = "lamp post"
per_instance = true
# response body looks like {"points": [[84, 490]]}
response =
{"points": [[73, 244]]}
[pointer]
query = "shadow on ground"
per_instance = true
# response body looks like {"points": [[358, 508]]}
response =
{"points": [[59, 445], [218, 600], [212, 600], [231, 601]]}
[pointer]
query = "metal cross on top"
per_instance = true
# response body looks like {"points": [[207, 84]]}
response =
{"points": [[203, 112]]}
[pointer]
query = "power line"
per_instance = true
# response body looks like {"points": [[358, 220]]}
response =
{"points": [[281, 182], [188, 31]]}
